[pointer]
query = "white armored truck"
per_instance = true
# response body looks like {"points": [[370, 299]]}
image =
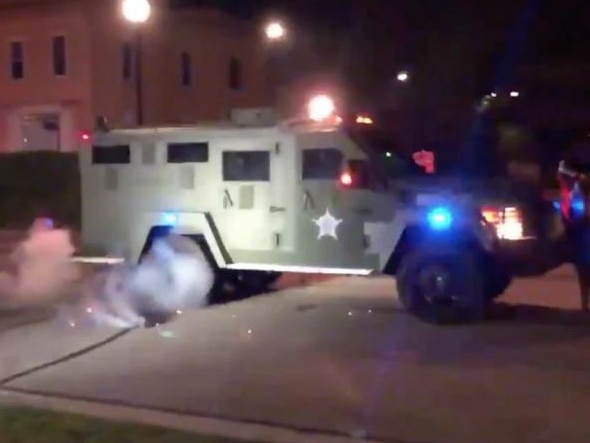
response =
{"points": [[262, 198]]}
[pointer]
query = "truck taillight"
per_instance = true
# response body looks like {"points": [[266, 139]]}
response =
{"points": [[507, 221]]}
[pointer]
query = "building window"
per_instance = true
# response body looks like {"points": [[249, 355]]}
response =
{"points": [[185, 69], [192, 152], [111, 155], [59, 55], [235, 74], [17, 62], [321, 164], [251, 166], [127, 60]]}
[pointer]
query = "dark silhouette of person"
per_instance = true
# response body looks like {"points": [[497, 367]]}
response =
{"points": [[574, 186]]}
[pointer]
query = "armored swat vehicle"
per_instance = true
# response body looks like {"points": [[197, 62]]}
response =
{"points": [[311, 195]]}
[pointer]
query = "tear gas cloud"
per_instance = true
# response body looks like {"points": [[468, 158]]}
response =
{"points": [[172, 277], [40, 268]]}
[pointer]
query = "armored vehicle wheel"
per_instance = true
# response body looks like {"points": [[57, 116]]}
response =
{"points": [[229, 285], [187, 245], [498, 278], [442, 285], [155, 318], [233, 285]]}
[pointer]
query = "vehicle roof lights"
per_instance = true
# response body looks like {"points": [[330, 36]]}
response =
{"points": [[320, 108], [440, 218]]}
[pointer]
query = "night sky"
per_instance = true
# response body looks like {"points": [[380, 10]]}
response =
{"points": [[458, 50], [559, 30]]}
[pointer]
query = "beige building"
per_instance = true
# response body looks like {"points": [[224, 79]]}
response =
{"points": [[68, 61]]}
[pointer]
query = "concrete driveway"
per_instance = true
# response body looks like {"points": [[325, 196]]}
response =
{"points": [[342, 357]]}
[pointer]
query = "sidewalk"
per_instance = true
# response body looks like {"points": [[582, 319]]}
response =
{"points": [[41, 344], [557, 289], [15, 318]]}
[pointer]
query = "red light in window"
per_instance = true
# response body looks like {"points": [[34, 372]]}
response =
{"points": [[346, 179]]}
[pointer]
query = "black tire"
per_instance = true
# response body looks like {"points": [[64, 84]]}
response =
{"points": [[229, 285], [234, 285], [464, 298], [155, 316], [259, 281], [498, 278]]}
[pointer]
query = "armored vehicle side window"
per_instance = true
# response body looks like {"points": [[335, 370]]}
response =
{"points": [[111, 155], [322, 164], [246, 165], [194, 152]]}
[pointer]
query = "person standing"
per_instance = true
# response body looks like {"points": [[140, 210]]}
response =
{"points": [[574, 191]]}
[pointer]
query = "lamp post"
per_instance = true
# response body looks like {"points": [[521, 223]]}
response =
{"points": [[275, 36], [403, 76], [275, 31], [137, 12]]}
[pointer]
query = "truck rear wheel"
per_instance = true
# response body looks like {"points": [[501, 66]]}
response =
{"points": [[233, 285], [444, 285], [498, 278], [229, 284], [188, 245]]}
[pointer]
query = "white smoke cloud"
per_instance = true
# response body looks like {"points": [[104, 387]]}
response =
{"points": [[173, 277], [41, 269]]}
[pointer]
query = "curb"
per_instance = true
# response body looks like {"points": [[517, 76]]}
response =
{"points": [[207, 426]]}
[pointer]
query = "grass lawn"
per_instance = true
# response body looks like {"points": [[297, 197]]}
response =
{"points": [[21, 425]]}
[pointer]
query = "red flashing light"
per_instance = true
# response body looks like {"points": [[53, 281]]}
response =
{"points": [[85, 136], [426, 160], [346, 179]]}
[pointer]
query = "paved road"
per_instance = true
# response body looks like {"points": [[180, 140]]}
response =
{"points": [[342, 357]]}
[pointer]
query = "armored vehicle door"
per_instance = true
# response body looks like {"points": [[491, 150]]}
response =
{"points": [[257, 195], [283, 207], [244, 194], [330, 227]]}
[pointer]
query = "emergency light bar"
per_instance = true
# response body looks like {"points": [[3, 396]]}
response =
{"points": [[320, 108]]}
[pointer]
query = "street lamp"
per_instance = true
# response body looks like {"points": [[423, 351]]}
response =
{"points": [[137, 12], [275, 31], [403, 76], [320, 108]]}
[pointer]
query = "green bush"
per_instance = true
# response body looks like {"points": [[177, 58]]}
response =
{"points": [[39, 184]]}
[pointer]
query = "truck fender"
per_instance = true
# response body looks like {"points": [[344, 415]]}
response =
{"points": [[197, 226], [415, 235]]}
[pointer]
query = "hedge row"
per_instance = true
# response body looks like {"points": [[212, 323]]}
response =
{"points": [[39, 184]]}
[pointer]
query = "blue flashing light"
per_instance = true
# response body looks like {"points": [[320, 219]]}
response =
{"points": [[556, 205], [169, 219], [578, 203], [440, 219], [578, 206]]}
